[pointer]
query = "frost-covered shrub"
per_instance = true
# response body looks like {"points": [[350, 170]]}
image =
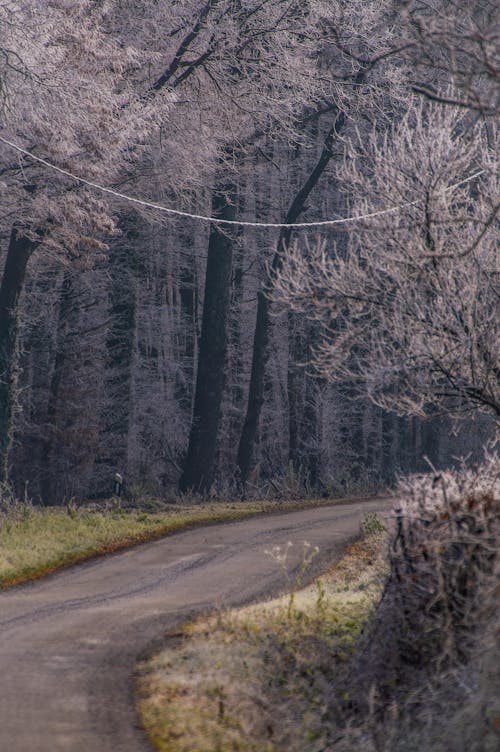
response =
{"points": [[442, 557], [444, 560]]}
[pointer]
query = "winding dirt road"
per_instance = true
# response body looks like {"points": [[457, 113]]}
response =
{"points": [[68, 644]]}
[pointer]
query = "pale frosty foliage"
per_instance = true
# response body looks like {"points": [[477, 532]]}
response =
{"points": [[192, 88], [409, 312], [360, 37], [239, 71], [69, 96], [245, 76]]}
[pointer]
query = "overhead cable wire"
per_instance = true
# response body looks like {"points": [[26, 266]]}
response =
{"points": [[215, 220]]}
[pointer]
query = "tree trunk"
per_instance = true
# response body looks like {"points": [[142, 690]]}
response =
{"points": [[263, 321], [295, 384], [303, 420], [388, 459], [18, 254], [430, 442], [353, 445], [199, 465], [235, 394], [188, 299], [48, 490], [125, 269]]}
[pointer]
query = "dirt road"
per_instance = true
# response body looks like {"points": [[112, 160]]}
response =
{"points": [[68, 644]]}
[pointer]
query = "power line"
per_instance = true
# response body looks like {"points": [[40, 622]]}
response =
{"points": [[215, 220]]}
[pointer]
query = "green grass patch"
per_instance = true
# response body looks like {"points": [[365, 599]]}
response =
{"points": [[36, 541], [267, 678]]}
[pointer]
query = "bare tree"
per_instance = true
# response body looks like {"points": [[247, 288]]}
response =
{"points": [[410, 313], [356, 56], [269, 62], [454, 42]]}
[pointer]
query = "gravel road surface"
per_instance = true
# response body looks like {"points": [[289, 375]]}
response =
{"points": [[69, 643]]}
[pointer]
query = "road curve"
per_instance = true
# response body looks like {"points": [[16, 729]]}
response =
{"points": [[68, 643]]}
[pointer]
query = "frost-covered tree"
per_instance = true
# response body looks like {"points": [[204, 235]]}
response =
{"points": [[69, 97], [266, 77], [409, 312], [217, 107], [358, 56]]}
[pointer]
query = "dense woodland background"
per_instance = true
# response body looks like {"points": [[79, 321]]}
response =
{"points": [[199, 356]]}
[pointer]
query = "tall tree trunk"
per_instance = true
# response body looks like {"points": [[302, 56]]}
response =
{"points": [[124, 272], [69, 429], [263, 321], [303, 419], [18, 254], [388, 459], [234, 403], [353, 445], [430, 442], [199, 465], [295, 384], [304, 450], [311, 435], [188, 299], [47, 485]]}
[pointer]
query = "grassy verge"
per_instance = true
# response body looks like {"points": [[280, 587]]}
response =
{"points": [[267, 678], [36, 541]]}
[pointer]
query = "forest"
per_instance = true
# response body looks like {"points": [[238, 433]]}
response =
{"points": [[247, 247]]}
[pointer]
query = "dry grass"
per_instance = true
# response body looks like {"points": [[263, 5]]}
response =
{"points": [[35, 541], [260, 679]]}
